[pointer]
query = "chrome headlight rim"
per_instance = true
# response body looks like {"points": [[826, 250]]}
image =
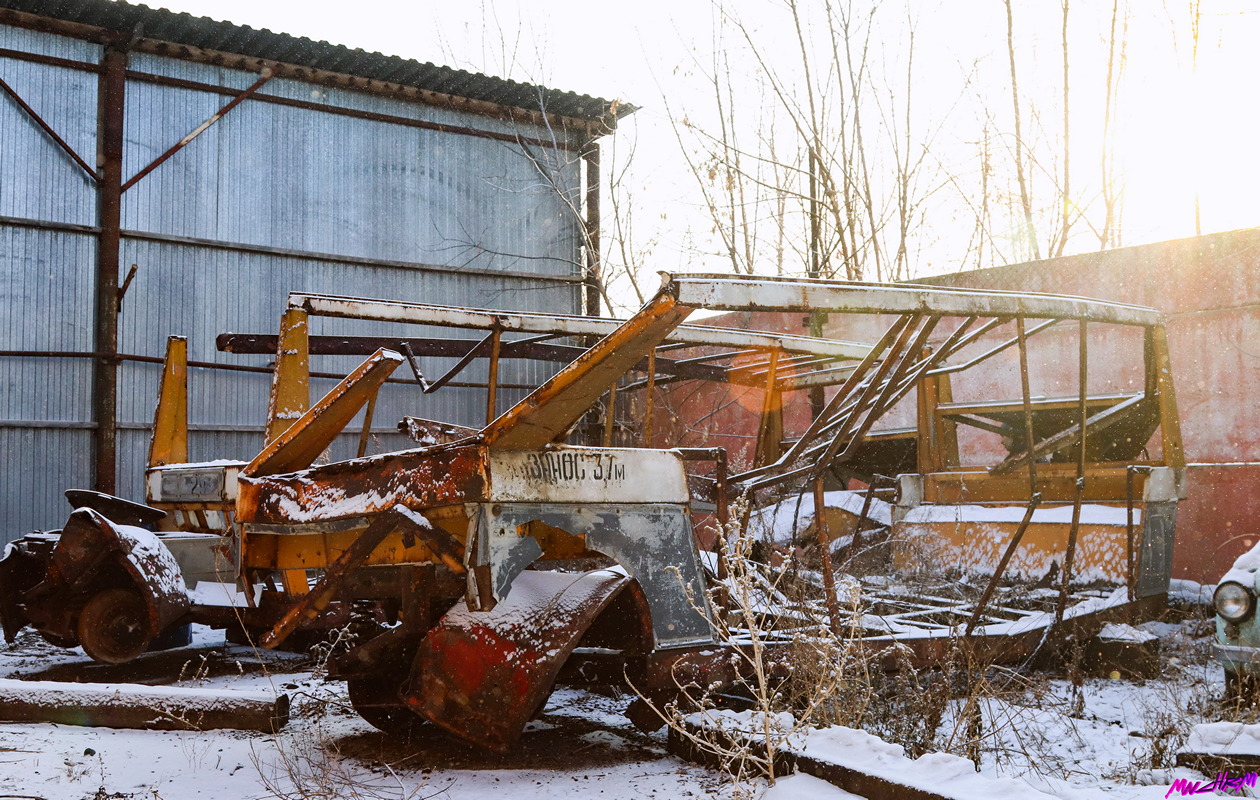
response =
{"points": [[1248, 609]]}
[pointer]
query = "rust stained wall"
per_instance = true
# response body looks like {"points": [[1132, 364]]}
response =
{"points": [[1209, 289]]}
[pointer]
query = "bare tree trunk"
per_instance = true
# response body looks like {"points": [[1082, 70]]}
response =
{"points": [[1110, 197], [1065, 223], [1024, 199]]}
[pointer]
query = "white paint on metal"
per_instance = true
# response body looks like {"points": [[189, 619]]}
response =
{"points": [[730, 293], [587, 475], [211, 482]]}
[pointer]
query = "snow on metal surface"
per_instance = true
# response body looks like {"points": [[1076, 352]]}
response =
{"points": [[782, 522]]}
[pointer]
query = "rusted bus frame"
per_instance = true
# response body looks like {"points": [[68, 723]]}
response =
{"points": [[868, 399], [1026, 398], [844, 416], [1014, 340], [888, 391], [1066, 437], [815, 427]]}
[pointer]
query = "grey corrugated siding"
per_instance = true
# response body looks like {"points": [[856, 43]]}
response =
{"points": [[267, 175]]}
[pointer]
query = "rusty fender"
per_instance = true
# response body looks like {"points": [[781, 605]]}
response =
{"points": [[79, 563], [483, 675]]}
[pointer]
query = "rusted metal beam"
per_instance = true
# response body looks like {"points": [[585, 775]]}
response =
{"points": [[1078, 495], [291, 384], [559, 324], [482, 347], [977, 613], [111, 96], [197, 131], [1026, 396], [649, 399], [1161, 365], [310, 604], [300, 443], [725, 292], [1131, 539], [534, 348], [591, 263], [824, 554], [50, 131], [610, 414], [366, 432], [1103, 419], [990, 353], [767, 446], [492, 375], [552, 408]]}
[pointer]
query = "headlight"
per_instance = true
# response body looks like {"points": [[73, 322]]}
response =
{"points": [[1234, 602]]}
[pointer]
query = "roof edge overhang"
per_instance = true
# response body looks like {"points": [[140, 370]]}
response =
{"points": [[139, 28]]}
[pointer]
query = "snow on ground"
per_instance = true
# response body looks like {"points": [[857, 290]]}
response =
{"points": [[581, 748], [1104, 738]]}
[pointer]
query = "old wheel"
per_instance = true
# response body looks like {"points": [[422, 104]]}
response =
{"points": [[376, 700], [114, 626]]}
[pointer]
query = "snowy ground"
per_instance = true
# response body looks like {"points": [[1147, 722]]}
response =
{"points": [[581, 748], [1105, 738]]}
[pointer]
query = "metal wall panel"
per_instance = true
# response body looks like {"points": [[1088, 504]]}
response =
{"points": [[267, 175], [38, 463], [45, 304], [297, 178], [38, 180]]}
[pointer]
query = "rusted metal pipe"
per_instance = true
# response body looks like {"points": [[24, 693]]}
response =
{"points": [[1079, 495], [824, 550], [48, 129], [1131, 472], [610, 414], [1026, 394], [977, 613], [197, 131], [649, 398], [590, 154], [769, 398], [366, 433], [492, 376]]}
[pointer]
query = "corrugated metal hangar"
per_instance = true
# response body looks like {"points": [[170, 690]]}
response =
{"points": [[164, 174]]}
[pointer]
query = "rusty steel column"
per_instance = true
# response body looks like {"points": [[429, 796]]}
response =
{"points": [[590, 155], [111, 91]]}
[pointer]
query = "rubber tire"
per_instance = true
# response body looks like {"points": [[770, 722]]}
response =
{"points": [[114, 626], [376, 700]]}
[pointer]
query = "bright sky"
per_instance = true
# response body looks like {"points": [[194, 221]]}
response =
{"points": [[1187, 126]]}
